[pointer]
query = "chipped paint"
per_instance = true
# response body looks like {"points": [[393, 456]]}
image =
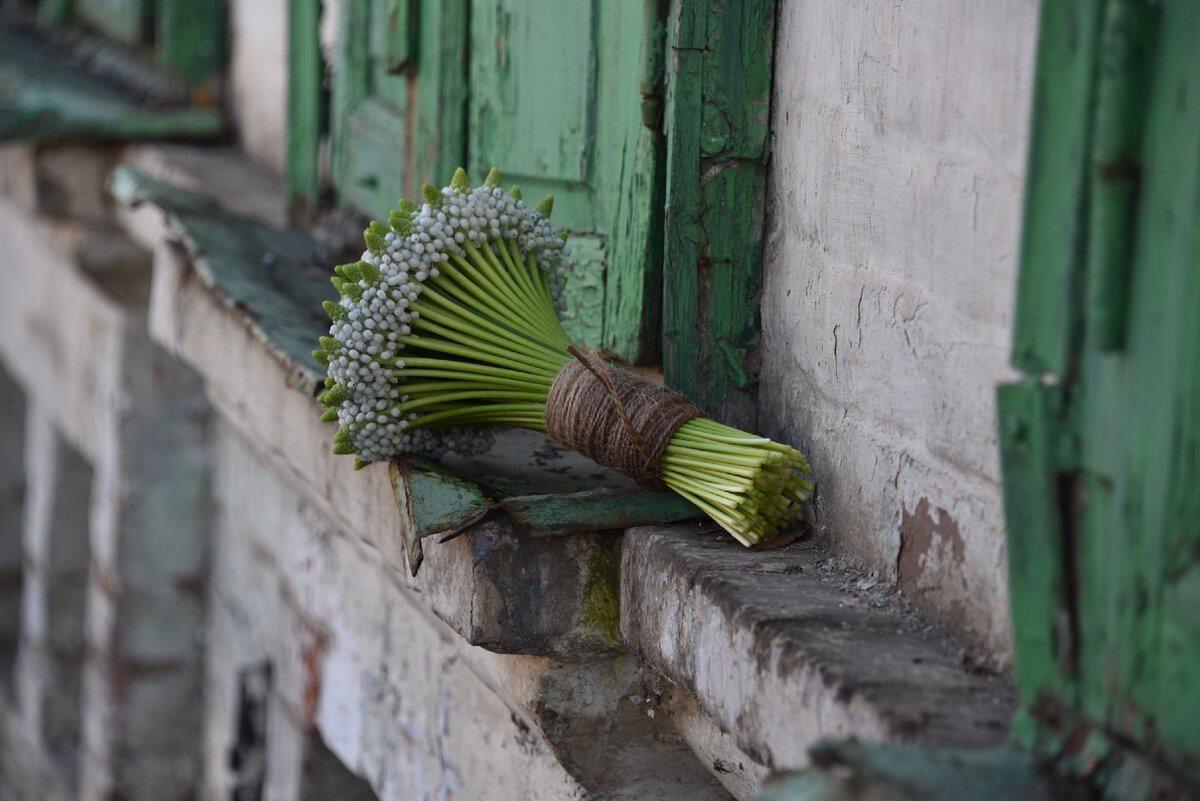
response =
{"points": [[931, 564]]}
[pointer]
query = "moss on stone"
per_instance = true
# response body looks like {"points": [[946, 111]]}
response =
{"points": [[601, 604]]}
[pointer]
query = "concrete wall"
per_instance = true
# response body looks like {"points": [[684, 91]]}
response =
{"points": [[900, 138], [258, 75]]}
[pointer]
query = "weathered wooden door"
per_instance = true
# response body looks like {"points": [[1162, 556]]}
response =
{"points": [[1101, 444], [548, 93]]}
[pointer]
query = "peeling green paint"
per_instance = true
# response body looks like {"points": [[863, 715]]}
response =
{"points": [[717, 118], [1102, 458]]}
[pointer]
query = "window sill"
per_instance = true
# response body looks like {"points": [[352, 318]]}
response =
{"points": [[770, 652], [46, 97]]}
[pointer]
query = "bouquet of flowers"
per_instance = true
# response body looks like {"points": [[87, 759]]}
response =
{"points": [[449, 324]]}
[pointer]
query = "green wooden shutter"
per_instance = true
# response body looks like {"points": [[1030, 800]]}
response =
{"points": [[555, 105], [185, 37], [719, 71], [1102, 453], [398, 99], [546, 92], [125, 21]]}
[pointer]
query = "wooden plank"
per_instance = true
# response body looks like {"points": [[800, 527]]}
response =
{"points": [[440, 128], [125, 21], [56, 12], [1123, 81], [191, 44], [556, 105], [1031, 421], [47, 100], [393, 132], [1107, 564], [306, 104], [718, 115], [1047, 312], [1140, 539]]}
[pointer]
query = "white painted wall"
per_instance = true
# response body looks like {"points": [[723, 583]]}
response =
{"points": [[900, 139], [258, 69]]}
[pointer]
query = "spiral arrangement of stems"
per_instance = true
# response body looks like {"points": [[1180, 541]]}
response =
{"points": [[449, 322]]}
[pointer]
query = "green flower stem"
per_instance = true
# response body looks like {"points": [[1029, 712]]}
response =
{"points": [[450, 398], [484, 346], [467, 276], [466, 326], [519, 275], [450, 365], [459, 379], [502, 360], [464, 338]]}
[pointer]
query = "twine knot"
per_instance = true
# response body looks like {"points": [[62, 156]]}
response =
{"points": [[615, 417]]}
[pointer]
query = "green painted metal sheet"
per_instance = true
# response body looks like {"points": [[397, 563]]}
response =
{"points": [[43, 99], [717, 118]]}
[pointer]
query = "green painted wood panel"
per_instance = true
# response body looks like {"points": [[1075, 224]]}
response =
{"points": [[1140, 533], [398, 121], [191, 43], [555, 104], [717, 120], [126, 21], [1030, 416], [185, 37], [55, 12], [1047, 311], [307, 103], [1107, 599], [44, 98]]}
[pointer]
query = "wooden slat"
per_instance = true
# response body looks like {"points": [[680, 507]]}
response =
{"points": [[191, 43], [1047, 311], [1140, 541], [717, 118], [306, 106]]}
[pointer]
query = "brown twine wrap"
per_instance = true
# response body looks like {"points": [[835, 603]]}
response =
{"points": [[615, 417]]}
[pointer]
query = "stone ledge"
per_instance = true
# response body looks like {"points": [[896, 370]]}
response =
{"points": [[49, 96], [778, 649], [786, 647], [240, 301]]}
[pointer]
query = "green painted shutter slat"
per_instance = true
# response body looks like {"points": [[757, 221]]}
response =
{"points": [[555, 105], [393, 131], [1047, 310], [124, 21], [1127, 594], [717, 119], [306, 103], [191, 40]]}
